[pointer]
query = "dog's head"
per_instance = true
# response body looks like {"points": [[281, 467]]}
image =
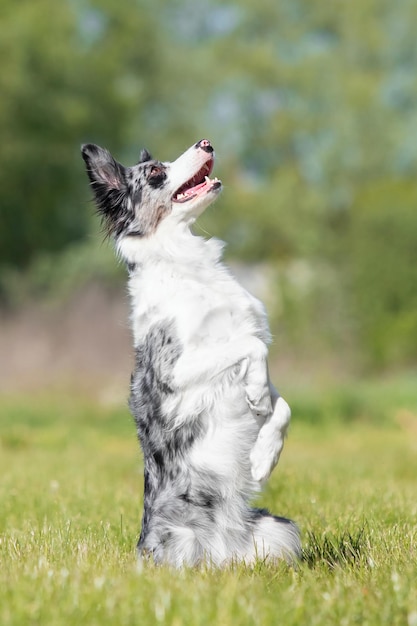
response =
{"points": [[134, 201]]}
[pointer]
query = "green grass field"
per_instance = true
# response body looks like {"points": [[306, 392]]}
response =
{"points": [[70, 505]]}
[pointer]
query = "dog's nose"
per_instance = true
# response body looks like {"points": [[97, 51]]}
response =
{"points": [[205, 145]]}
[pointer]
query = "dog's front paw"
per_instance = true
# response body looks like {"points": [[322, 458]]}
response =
{"points": [[259, 400], [258, 393], [264, 457], [270, 441]]}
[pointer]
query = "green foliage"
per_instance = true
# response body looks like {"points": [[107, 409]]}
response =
{"points": [[65, 79], [56, 278], [383, 256], [264, 220], [374, 402]]}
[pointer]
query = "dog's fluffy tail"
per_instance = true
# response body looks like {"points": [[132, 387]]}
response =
{"points": [[275, 537]]}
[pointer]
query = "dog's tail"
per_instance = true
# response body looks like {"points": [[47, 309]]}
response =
{"points": [[274, 537]]}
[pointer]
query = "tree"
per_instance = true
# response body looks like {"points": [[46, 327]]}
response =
{"points": [[70, 73]]}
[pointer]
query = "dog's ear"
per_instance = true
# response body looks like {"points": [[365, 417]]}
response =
{"points": [[108, 182], [103, 171], [144, 156]]}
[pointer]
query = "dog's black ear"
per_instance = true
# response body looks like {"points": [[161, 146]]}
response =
{"points": [[103, 171], [108, 182], [144, 156]]}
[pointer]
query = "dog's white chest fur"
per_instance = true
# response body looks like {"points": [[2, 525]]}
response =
{"points": [[207, 303]]}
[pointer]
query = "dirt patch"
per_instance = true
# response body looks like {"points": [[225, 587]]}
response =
{"points": [[85, 342]]}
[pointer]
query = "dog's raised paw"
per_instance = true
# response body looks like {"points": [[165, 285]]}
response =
{"points": [[260, 467], [261, 405], [264, 456]]}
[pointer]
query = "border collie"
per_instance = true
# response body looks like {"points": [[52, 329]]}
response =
{"points": [[210, 423]]}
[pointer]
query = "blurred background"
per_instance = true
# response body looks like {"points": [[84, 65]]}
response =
{"points": [[312, 109]]}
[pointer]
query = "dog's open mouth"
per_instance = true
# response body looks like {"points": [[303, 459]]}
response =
{"points": [[198, 184]]}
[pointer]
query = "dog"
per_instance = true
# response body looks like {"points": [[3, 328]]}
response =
{"points": [[210, 423]]}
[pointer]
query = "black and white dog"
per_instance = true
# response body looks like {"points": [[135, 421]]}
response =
{"points": [[210, 423]]}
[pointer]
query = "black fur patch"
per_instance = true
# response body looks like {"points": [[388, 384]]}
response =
{"points": [[109, 184], [163, 444]]}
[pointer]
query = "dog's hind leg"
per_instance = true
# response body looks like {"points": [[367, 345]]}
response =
{"points": [[270, 441]]}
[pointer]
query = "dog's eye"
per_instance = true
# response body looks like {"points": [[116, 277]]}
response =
{"points": [[156, 170], [157, 176]]}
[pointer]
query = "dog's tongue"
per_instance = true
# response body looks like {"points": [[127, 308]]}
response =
{"points": [[206, 182], [192, 191]]}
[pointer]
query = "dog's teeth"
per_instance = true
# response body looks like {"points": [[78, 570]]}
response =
{"points": [[207, 179]]}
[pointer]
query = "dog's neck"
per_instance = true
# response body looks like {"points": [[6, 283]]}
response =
{"points": [[175, 247], [163, 271]]}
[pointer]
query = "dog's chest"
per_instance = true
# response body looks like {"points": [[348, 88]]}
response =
{"points": [[206, 306]]}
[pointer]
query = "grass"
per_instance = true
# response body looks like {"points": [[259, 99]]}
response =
{"points": [[70, 504]]}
